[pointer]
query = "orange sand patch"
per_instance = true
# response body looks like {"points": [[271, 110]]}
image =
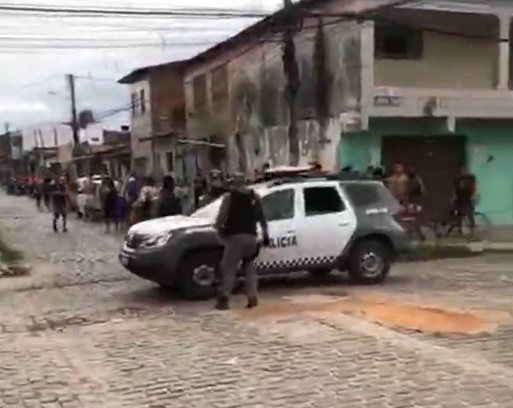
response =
{"points": [[412, 317]]}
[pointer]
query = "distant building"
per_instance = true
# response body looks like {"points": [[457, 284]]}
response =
{"points": [[157, 117]]}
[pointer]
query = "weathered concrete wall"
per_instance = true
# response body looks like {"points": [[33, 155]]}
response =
{"points": [[448, 61], [141, 124], [259, 103], [167, 100], [254, 119]]}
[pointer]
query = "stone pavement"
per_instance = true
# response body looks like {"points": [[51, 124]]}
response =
{"points": [[82, 332]]}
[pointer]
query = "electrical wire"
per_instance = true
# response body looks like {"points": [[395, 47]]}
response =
{"points": [[10, 49], [373, 15], [157, 8], [36, 40], [116, 44], [189, 12]]}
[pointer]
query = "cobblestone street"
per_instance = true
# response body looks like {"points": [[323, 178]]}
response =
{"points": [[82, 332]]}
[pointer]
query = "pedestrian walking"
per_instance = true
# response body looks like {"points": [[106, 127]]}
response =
{"points": [[38, 192], [59, 203], [168, 203], [145, 201], [236, 223], [110, 198], [47, 192]]}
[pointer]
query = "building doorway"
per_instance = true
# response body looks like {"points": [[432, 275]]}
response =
{"points": [[438, 160]]}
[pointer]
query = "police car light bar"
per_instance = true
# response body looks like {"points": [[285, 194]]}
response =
{"points": [[289, 171]]}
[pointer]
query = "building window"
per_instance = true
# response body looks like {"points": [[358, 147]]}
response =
{"points": [[219, 84], [322, 200], [133, 103], [170, 161], [178, 117], [199, 86], [142, 101], [397, 42]]}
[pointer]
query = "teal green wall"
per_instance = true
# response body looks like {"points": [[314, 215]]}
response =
{"points": [[484, 138], [355, 148], [491, 138]]}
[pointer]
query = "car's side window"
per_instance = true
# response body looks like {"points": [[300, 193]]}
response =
{"points": [[322, 200], [279, 205]]}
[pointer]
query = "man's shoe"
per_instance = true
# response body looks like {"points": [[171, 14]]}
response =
{"points": [[55, 229], [252, 302], [222, 303]]}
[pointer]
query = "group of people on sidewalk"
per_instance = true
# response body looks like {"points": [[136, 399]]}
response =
{"points": [[122, 204]]}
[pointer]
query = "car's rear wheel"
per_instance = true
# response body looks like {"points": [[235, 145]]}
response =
{"points": [[369, 262], [199, 275]]}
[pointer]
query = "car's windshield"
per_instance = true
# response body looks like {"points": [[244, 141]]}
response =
{"points": [[209, 211]]}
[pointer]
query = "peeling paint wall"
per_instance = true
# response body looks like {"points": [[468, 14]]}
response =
{"points": [[254, 120]]}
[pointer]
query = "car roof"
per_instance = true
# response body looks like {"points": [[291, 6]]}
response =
{"points": [[266, 185]]}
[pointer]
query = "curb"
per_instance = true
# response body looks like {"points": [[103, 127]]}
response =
{"points": [[497, 250], [451, 251]]}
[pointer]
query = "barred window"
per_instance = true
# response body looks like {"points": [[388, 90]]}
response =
{"points": [[219, 84], [199, 86]]}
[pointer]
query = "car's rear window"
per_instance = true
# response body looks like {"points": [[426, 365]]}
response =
{"points": [[369, 195]]}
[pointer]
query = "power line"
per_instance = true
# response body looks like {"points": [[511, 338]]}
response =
{"points": [[131, 45], [104, 40], [190, 12], [101, 6], [94, 78]]}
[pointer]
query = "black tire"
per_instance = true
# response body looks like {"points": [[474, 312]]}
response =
{"points": [[202, 287], [357, 268], [320, 273]]}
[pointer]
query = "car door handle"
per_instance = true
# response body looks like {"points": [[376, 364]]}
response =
{"points": [[343, 224], [290, 232]]}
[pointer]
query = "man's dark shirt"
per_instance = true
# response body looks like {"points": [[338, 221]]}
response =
{"points": [[464, 189], [239, 213], [168, 204], [58, 194]]}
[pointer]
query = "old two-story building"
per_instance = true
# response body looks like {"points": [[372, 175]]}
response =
{"points": [[236, 91], [157, 106], [437, 96], [426, 84]]}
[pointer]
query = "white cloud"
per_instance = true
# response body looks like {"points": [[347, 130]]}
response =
{"points": [[46, 98], [22, 107]]}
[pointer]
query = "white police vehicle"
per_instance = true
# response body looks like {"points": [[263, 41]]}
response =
{"points": [[317, 222]]}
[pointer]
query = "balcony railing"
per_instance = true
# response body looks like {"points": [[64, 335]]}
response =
{"points": [[418, 102]]}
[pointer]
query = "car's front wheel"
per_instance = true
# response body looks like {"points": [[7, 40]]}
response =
{"points": [[369, 262], [199, 274]]}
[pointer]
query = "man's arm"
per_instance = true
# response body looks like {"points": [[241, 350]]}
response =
{"points": [[261, 219], [222, 215]]}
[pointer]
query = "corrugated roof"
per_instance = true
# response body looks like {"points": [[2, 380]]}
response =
{"points": [[143, 72]]}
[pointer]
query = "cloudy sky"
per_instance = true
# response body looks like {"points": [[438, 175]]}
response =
{"points": [[38, 50]]}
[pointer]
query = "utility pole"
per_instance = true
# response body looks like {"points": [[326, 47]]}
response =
{"points": [[74, 121], [291, 71]]}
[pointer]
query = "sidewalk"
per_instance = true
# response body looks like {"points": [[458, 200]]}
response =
{"points": [[480, 246]]}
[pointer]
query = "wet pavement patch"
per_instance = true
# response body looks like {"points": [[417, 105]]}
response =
{"points": [[419, 318]]}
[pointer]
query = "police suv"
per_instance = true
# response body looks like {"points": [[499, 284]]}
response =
{"points": [[318, 222]]}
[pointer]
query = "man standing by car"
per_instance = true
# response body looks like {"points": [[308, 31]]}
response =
{"points": [[240, 212]]}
